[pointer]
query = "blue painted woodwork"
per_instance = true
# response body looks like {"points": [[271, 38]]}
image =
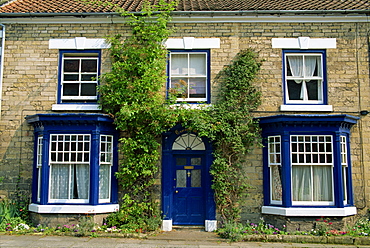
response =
{"points": [[71, 123], [189, 206], [286, 125], [188, 200]]}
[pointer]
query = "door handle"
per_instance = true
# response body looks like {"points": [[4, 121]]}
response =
{"points": [[176, 191]]}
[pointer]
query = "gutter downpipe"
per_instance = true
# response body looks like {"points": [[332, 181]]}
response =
{"points": [[2, 65]]}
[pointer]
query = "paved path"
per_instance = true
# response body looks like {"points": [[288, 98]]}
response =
{"points": [[173, 239]]}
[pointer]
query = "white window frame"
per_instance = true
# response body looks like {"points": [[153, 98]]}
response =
{"points": [[189, 76], [312, 164], [61, 159], [344, 164], [39, 166], [274, 159], [106, 158], [304, 79], [80, 57]]}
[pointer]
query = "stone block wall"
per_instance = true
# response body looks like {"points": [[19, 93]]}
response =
{"points": [[31, 77]]}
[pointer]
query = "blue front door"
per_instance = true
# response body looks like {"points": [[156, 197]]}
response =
{"points": [[188, 190], [187, 197]]}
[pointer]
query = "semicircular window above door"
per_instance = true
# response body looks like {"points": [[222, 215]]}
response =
{"points": [[188, 141]]}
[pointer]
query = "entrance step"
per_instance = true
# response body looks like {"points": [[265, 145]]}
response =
{"points": [[188, 233], [194, 228]]}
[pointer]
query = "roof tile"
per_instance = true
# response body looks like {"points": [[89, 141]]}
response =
{"points": [[86, 6]]}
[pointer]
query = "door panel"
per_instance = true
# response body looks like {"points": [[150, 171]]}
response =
{"points": [[188, 195]]}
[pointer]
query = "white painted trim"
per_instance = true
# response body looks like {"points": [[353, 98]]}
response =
{"points": [[194, 18], [293, 211], [190, 106], [76, 107], [79, 43], [192, 43], [307, 108], [304, 43], [210, 225], [167, 225], [73, 209]]}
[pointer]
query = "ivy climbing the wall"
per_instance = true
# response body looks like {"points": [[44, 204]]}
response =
{"points": [[134, 93], [229, 124]]}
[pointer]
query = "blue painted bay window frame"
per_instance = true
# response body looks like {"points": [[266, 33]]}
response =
{"points": [[335, 128], [93, 126]]}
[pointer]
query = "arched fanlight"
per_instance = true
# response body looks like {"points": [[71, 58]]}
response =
{"points": [[188, 141]]}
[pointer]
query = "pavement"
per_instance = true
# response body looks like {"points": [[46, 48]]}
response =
{"points": [[178, 238]]}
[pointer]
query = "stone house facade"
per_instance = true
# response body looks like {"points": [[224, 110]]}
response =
{"points": [[314, 116]]}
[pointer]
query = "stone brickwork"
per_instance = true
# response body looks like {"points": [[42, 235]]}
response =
{"points": [[31, 77]]}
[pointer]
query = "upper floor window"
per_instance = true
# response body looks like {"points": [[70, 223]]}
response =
{"points": [[79, 72], [189, 75], [304, 77]]}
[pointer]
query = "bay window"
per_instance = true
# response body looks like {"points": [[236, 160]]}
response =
{"points": [[304, 157], [75, 162]]}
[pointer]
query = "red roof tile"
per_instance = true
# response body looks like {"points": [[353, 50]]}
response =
{"points": [[85, 6]]}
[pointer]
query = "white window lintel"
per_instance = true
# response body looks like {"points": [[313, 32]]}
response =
{"points": [[192, 43], [79, 43], [304, 43]]}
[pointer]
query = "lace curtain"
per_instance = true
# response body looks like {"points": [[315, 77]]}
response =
{"points": [[69, 181], [303, 68], [312, 183]]}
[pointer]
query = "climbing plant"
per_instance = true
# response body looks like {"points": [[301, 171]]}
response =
{"points": [[229, 123], [133, 92]]}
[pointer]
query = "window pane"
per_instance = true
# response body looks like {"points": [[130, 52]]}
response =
{"points": [[294, 90], [322, 180], [179, 64], [81, 188], [71, 89], [88, 89], [196, 161], [197, 88], [276, 188], [71, 77], [71, 65], [181, 161], [59, 181], [88, 77], [196, 180], [69, 181], [197, 64], [89, 65], [180, 87], [181, 178], [302, 184], [312, 90], [104, 181]]}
